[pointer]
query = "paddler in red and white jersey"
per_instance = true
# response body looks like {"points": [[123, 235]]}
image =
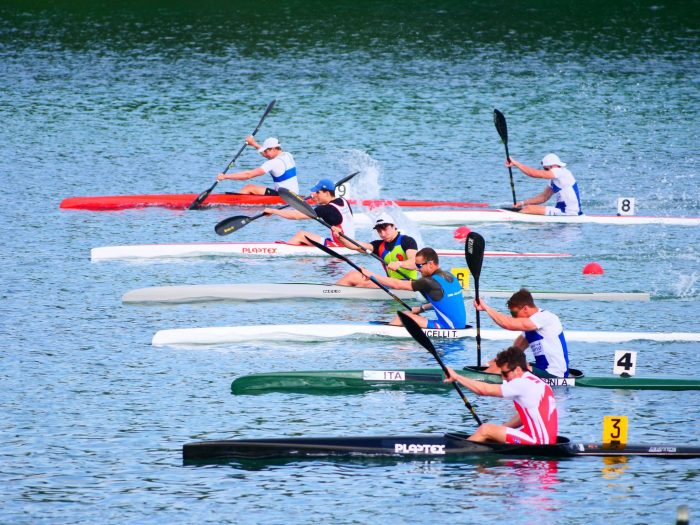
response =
{"points": [[336, 211], [535, 422], [397, 251]]}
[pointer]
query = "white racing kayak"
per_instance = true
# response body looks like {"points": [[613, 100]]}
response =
{"points": [[322, 332], [277, 291], [459, 217], [258, 249]]}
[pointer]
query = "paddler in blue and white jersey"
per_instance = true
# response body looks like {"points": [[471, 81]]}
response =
{"points": [[541, 330], [398, 251], [561, 183], [442, 290], [336, 211], [279, 164]]}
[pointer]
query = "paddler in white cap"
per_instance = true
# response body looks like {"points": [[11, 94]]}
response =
{"points": [[279, 164], [398, 252], [561, 183]]}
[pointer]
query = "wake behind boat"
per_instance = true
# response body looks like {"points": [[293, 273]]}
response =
{"points": [[278, 291], [430, 380], [449, 446], [248, 249], [321, 332], [459, 217], [183, 202]]}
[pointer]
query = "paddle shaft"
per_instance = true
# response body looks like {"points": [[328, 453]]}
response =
{"points": [[373, 279], [419, 335], [203, 196]]}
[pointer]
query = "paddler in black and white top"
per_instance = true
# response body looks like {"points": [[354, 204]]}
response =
{"points": [[398, 251], [336, 211], [279, 164], [442, 290]]}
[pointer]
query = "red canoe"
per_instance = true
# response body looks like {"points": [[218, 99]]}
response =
{"points": [[183, 201]]}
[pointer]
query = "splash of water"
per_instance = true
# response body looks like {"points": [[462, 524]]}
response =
{"points": [[685, 286], [365, 186]]}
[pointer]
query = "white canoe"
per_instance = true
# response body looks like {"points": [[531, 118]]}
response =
{"points": [[459, 217], [321, 332], [276, 291], [258, 249]]}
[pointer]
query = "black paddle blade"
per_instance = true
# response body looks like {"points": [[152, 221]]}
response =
{"points": [[500, 121], [474, 253], [297, 202], [197, 203], [233, 224], [418, 334]]}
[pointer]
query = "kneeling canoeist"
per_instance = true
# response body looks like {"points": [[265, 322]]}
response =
{"points": [[440, 288], [336, 211], [561, 183], [536, 420], [541, 331], [398, 252], [280, 165]]}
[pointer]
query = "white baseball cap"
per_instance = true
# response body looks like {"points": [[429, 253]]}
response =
{"points": [[270, 142], [551, 159], [383, 219]]}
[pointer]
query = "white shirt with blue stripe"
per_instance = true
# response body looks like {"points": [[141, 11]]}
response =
{"points": [[283, 170]]}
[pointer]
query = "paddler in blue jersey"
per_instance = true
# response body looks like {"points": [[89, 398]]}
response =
{"points": [[440, 288], [398, 252]]}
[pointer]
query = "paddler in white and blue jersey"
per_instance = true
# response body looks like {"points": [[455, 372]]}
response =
{"points": [[397, 251], [442, 290], [335, 211], [280, 165], [561, 183], [541, 330]]}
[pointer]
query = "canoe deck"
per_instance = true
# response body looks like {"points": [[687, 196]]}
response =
{"points": [[449, 446], [427, 380]]}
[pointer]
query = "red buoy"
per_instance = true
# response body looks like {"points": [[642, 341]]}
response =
{"points": [[461, 233], [593, 268]]}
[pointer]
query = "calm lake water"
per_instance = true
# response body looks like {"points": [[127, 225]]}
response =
{"points": [[100, 100]]}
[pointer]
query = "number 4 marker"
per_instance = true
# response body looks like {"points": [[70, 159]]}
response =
{"points": [[625, 362]]}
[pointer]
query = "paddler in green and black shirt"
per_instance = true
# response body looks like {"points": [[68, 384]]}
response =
{"points": [[398, 252]]}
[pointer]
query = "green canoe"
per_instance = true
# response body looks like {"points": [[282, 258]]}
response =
{"points": [[429, 380]]}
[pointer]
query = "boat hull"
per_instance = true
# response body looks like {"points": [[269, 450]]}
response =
{"points": [[279, 291], [426, 380], [459, 217], [254, 249], [451, 446], [182, 202], [323, 332]]}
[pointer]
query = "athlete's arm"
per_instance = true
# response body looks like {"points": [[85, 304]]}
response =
{"points": [[390, 282], [505, 321], [539, 198], [285, 214], [530, 172], [241, 175], [478, 387]]}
